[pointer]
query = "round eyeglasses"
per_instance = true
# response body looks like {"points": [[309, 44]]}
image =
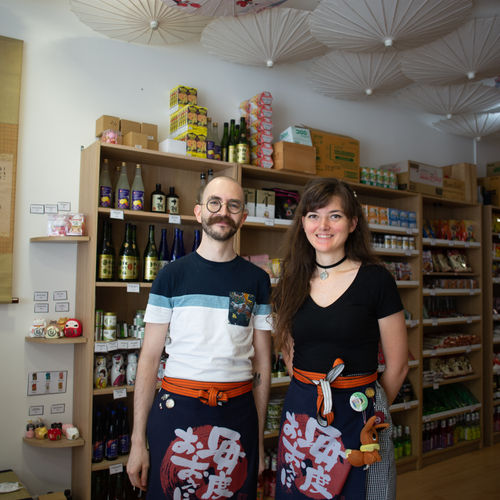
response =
{"points": [[233, 206]]}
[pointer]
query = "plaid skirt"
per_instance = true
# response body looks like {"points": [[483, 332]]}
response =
{"points": [[202, 452], [312, 460]]}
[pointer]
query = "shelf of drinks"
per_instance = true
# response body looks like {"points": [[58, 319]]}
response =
{"points": [[407, 405], [61, 340], [450, 413], [123, 284], [407, 283], [115, 345], [270, 174], [60, 443], [459, 320], [119, 390], [384, 228], [454, 380], [412, 323], [139, 215], [435, 242], [106, 464], [280, 381], [452, 449], [450, 292], [60, 239], [430, 353], [263, 222], [496, 402], [395, 251]]}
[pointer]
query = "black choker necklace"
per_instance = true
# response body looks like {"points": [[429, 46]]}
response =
{"points": [[324, 274]]}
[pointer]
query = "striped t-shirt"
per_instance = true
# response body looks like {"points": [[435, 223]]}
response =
{"points": [[212, 309]]}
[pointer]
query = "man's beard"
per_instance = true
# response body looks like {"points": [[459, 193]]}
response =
{"points": [[207, 224]]}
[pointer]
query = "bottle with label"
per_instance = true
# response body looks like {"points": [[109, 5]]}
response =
{"points": [[106, 258], [150, 266], [407, 442], [98, 439], [172, 202], [122, 190], [231, 149], [137, 190], [203, 183], [224, 143], [158, 200], [124, 432], [126, 257], [243, 148], [111, 451], [178, 245], [215, 135], [196, 240], [163, 257], [135, 249], [210, 140], [105, 186]]}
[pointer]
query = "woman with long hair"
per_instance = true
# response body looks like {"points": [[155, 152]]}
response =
{"points": [[332, 307]]}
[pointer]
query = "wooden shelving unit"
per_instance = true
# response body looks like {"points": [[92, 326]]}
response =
{"points": [[60, 443], [60, 341], [60, 239]]}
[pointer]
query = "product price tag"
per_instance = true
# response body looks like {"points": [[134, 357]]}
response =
{"points": [[468, 349], [133, 287], [112, 346], [134, 344], [408, 252], [116, 214], [451, 243], [407, 406], [469, 321], [174, 219], [119, 393], [467, 244], [472, 292], [433, 242], [269, 222], [100, 347], [433, 292], [123, 344], [116, 469], [435, 386], [434, 322], [413, 323]]}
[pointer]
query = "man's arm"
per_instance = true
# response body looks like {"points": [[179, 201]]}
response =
{"points": [[145, 386], [261, 383]]}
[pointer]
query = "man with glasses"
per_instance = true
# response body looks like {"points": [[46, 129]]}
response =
{"points": [[205, 427]]}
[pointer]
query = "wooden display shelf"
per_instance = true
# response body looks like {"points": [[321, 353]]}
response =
{"points": [[122, 284], [455, 275], [454, 380], [60, 443], [106, 464], [110, 390], [61, 340], [412, 363], [459, 320], [461, 447], [450, 292], [450, 413], [409, 405], [280, 381], [436, 242], [140, 215], [261, 223], [60, 239], [395, 251], [383, 228], [412, 323], [496, 402], [271, 434], [407, 283], [431, 353], [270, 174]]}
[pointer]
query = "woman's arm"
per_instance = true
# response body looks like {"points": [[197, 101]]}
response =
{"points": [[287, 353]]}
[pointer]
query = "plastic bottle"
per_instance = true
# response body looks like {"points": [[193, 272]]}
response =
{"points": [[137, 199]]}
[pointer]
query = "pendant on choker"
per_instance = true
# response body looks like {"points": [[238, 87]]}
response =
{"points": [[324, 273]]}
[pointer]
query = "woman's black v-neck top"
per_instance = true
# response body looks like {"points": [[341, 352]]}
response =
{"points": [[347, 328]]}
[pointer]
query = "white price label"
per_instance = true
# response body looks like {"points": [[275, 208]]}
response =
{"points": [[116, 469], [134, 344], [469, 321], [434, 322], [119, 393], [407, 406], [100, 347], [174, 219], [269, 222], [435, 386], [433, 292], [414, 323], [451, 243], [133, 288], [408, 252], [468, 349], [123, 344], [116, 214], [433, 353], [112, 346], [433, 242], [467, 244]]}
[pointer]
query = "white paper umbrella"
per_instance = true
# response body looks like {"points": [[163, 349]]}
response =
{"points": [[357, 76], [216, 8], [142, 21], [475, 125], [370, 25], [450, 100], [269, 37], [472, 52]]}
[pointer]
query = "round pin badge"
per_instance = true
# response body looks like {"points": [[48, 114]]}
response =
{"points": [[370, 392], [379, 417], [358, 401], [170, 403]]}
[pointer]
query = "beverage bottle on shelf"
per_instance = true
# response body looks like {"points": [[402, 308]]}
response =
{"points": [[122, 190], [266, 475], [215, 135], [451, 429], [163, 257], [210, 140], [231, 149], [137, 199], [210, 175], [100, 485], [135, 249], [126, 257], [443, 436], [119, 488], [172, 202], [272, 482], [98, 438], [243, 147], [468, 428], [177, 246], [111, 450], [105, 186], [158, 200], [282, 372], [203, 183], [196, 240], [407, 450], [123, 432], [224, 143], [106, 258], [477, 421], [150, 267]]}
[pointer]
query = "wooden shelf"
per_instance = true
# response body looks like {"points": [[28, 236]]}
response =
{"points": [[459, 320], [383, 228], [435, 242], [280, 381], [61, 443], [450, 292], [110, 390], [271, 434], [122, 284], [60, 239], [431, 353], [409, 405], [455, 275], [261, 223], [441, 451], [395, 252], [450, 413], [408, 284], [139, 215], [270, 174], [106, 464], [454, 380], [62, 340]]}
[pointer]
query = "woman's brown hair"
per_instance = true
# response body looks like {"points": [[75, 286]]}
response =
{"points": [[299, 263]]}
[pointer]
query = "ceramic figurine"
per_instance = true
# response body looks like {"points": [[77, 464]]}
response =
{"points": [[100, 372], [73, 328], [52, 331], [72, 433], [38, 328], [131, 368], [118, 370], [54, 434]]}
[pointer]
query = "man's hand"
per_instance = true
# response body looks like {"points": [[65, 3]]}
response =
{"points": [[138, 466]]}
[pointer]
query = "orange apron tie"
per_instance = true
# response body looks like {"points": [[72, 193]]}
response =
{"points": [[210, 393]]}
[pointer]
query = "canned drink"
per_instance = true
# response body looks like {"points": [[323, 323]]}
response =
{"points": [[109, 320], [394, 242], [99, 313], [387, 241], [406, 244], [109, 334], [411, 242], [399, 242]]}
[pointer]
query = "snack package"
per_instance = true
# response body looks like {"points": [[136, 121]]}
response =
{"points": [[76, 225], [57, 224], [428, 266]]}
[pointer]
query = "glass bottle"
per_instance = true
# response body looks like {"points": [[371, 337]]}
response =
{"points": [[122, 191], [243, 148], [126, 256], [210, 140], [172, 202], [215, 135], [210, 175], [407, 442], [231, 150], [135, 249], [106, 258], [177, 245], [163, 257], [137, 190], [105, 186], [98, 439], [124, 432], [224, 143], [150, 267], [158, 200], [196, 240], [112, 438]]}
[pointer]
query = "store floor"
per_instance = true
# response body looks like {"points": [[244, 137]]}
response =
{"points": [[472, 476]]}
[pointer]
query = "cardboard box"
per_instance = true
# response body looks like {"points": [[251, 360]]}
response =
{"points": [[196, 144], [294, 157], [106, 122], [265, 204], [466, 172], [153, 145], [181, 96], [492, 185], [336, 155], [151, 130], [127, 126], [493, 168], [192, 119], [418, 177], [250, 200], [136, 140], [297, 135]]}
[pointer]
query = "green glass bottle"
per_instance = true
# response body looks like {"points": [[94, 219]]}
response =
{"points": [[150, 266], [231, 150], [106, 258], [135, 249], [126, 257], [243, 148], [224, 143]]}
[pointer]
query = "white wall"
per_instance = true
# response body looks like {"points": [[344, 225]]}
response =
{"points": [[71, 76]]}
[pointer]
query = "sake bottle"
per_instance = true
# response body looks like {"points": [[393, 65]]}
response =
{"points": [[150, 267], [243, 148], [177, 246], [196, 240], [135, 249], [126, 257], [137, 190], [231, 150], [172, 202], [215, 135], [106, 259], [122, 190], [163, 257], [210, 140], [158, 200], [105, 187], [224, 143]]}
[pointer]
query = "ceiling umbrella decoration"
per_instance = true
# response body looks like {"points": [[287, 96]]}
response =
{"points": [[472, 52], [217, 8], [475, 125], [148, 22], [450, 100], [371, 25], [264, 39], [357, 76]]}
